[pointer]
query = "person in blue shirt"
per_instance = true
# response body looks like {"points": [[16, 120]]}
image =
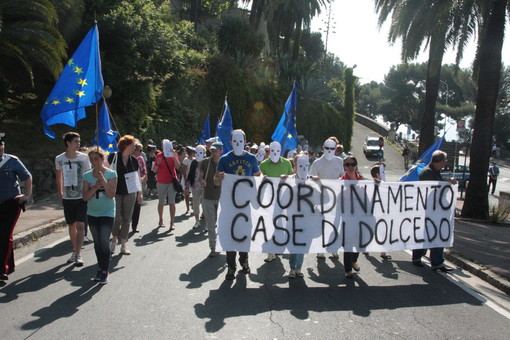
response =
{"points": [[99, 187], [241, 163], [12, 201]]}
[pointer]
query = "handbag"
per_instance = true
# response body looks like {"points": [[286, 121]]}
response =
{"points": [[175, 181], [113, 166], [179, 197]]}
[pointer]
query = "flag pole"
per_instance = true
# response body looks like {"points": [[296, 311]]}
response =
{"points": [[97, 128]]}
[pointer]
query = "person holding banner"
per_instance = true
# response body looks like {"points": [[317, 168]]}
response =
{"points": [[70, 166], [328, 166], [431, 172], [351, 174], [99, 186], [128, 190], [241, 163], [301, 163], [166, 164], [275, 166], [375, 172]]}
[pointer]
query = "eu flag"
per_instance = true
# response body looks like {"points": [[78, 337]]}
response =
{"points": [[225, 129], [285, 132], [206, 131], [414, 171], [106, 136], [80, 85]]}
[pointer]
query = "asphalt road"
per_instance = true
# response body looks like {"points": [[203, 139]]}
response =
{"points": [[168, 289]]}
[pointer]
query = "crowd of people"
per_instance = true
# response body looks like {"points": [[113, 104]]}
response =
{"points": [[105, 191]]}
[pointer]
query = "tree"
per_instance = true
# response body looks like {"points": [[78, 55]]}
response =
{"points": [[28, 37], [437, 23], [476, 204]]}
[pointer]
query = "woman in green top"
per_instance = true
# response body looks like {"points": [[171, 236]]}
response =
{"points": [[99, 186]]}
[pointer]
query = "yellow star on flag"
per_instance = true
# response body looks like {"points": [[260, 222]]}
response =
{"points": [[110, 145], [82, 82], [70, 62], [69, 100], [55, 102], [78, 70], [289, 136], [107, 153], [80, 93]]}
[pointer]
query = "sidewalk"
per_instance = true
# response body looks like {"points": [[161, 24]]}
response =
{"points": [[481, 248]]}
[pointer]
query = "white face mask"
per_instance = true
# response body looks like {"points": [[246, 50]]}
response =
{"points": [[275, 150], [329, 154], [237, 143], [200, 153], [302, 167], [261, 153]]}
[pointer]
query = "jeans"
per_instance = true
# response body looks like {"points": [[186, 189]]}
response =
{"points": [[210, 214], [124, 205], [349, 259], [231, 259], [101, 228], [436, 256], [296, 261]]}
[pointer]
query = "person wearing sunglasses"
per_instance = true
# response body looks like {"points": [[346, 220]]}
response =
{"points": [[328, 166], [351, 174]]}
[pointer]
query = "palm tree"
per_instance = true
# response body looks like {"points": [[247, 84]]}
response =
{"points": [[490, 45], [29, 37], [437, 23]]}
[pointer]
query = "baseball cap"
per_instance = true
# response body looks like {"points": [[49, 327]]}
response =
{"points": [[217, 146]]}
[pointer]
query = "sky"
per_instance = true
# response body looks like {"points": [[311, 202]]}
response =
{"points": [[358, 41]]}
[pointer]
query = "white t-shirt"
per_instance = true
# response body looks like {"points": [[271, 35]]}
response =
{"points": [[72, 173], [325, 169], [186, 161]]}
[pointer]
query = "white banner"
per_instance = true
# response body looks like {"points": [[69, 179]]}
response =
{"points": [[271, 215]]}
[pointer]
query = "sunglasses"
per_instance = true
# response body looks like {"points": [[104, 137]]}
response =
{"points": [[329, 148], [350, 164]]}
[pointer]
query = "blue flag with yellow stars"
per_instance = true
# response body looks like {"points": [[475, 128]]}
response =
{"points": [[107, 137], [285, 132], [414, 172], [206, 131], [225, 128], [80, 85]]}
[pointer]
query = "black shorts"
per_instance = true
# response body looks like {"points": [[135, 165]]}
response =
{"points": [[75, 210]]}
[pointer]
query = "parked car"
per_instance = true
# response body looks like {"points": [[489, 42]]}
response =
{"points": [[461, 174], [371, 146]]}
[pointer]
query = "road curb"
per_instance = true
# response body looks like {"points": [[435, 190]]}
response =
{"points": [[27, 237], [477, 270]]}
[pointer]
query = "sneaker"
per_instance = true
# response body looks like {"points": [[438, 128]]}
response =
{"points": [[87, 240], [125, 251], [104, 278], [112, 247], [270, 258], [230, 274], [196, 225], [245, 268], [72, 259], [321, 256], [213, 253], [79, 261], [98, 276]]}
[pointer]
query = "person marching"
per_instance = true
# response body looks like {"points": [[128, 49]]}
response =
{"points": [[212, 194], [242, 163], [71, 165], [275, 166], [12, 201], [99, 187]]}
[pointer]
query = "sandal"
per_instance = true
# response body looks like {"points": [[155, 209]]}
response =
{"points": [[172, 227], [358, 268], [386, 257], [161, 225]]}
